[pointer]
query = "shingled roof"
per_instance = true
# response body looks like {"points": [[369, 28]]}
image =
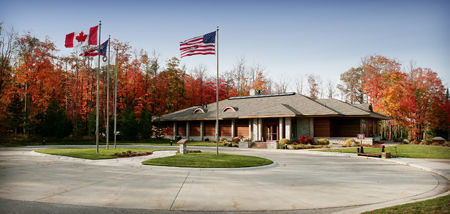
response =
{"points": [[276, 105]]}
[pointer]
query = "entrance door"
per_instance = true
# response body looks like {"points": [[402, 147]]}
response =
{"points": [[272, 132]]}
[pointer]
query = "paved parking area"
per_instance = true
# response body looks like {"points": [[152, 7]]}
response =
{"points": [[299, 181]]}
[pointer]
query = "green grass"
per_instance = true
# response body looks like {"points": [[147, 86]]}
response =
{"points": [[24, 141], [209, 160], [437, 205], [408, 151], [90, 153]]}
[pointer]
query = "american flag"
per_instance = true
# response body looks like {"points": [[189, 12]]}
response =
{"points": [[200, 45]]}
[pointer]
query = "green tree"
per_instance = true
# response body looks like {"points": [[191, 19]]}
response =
{"points": [[78, 127], [15, 110], [55, 122], [145, 124], [92, 124], [129, 125]]}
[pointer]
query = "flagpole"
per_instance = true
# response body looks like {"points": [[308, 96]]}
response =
{"points": [[217, 93], [98, 88], [115, 100], [107, 95]]}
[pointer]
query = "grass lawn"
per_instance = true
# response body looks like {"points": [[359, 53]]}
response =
{"points": [[91, 141], [209, 160], [90, 153], [437, 205], [408, 151]]}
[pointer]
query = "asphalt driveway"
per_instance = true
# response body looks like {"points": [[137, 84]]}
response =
{"points": [[298, 181]]}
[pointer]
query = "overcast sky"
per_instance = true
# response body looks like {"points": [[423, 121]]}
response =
{"points": [[290, 38]]}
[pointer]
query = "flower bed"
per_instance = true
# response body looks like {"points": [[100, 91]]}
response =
{"points": [[131, 154]]}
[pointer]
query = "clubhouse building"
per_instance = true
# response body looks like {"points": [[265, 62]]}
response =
{"points": [[269, 118]]}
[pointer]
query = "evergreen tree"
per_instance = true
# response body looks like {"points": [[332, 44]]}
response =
{"points": [[16, 114], [55, 122], [92, 124], [78, 127], [129, 125], [145, 124]]}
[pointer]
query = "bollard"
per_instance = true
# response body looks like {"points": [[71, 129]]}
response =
{"points": [[357, 150], [362, 149], [43, 142], [171, 143], [382, 149]]}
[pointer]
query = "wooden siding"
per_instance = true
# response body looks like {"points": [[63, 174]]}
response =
{"points": [[210, 128], [181, 126], [194, 129], [168, 129], [242, 128], [346, 127], [322, 127], [225, 128]]}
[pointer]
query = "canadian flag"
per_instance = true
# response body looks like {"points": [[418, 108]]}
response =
{"points": [[82, 38]]}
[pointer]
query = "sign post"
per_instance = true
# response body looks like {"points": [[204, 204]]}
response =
{"points": [[361, 137]]}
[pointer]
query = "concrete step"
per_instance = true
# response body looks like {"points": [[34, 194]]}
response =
{"points": [[259, 145]]}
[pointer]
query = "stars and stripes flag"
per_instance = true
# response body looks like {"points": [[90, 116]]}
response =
{"points": [[94, 51], [200, 45]]}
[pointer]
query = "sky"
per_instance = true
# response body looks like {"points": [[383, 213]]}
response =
{"points": [[289, 38]]}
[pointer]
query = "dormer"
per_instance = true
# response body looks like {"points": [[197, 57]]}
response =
{"points": [[230, 109], [198, 111]]}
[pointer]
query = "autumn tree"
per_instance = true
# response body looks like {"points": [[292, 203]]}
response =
{"points": [[313, 86], [352, 85]]}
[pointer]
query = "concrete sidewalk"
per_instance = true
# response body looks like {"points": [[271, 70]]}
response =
{"points": [[298, 181]]}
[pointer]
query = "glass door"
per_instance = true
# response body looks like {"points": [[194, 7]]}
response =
{"points": [[272, 132]]}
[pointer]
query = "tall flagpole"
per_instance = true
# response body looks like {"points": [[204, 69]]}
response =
{"points": [[115, 100], [98, 87], [217, 93], [107, 95]]}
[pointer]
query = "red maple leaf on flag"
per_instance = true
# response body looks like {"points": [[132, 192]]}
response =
{"points": [[81, 37]]}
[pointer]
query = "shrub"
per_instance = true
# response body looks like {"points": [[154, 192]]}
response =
{"points": [[305, 139], [284, 141], [447, 144], [435, 144], [424, 143], [283, 146], [398, 139], [414, 142], [247, 139], [235, 145], [354, 144], [225, 143], [235, 140], [129, 151], [119, 155], [223, 139], [193, 151], [323, 141], [349, 142]]}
